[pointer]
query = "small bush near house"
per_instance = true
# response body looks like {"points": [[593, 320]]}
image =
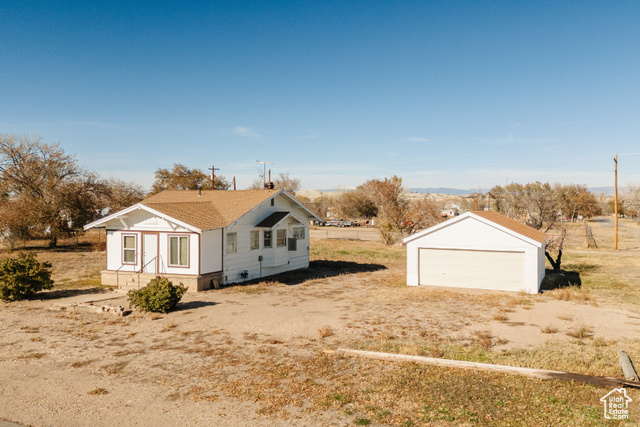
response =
{"points": [[22, 277], [161, 296]]}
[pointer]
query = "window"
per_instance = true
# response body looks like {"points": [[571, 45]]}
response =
{"points": [[267, 239], [293, 244], [232, 242], [255, 239], [128, 249], [281, 238], [179, 251], [298, 233]]}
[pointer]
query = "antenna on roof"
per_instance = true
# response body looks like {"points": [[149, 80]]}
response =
{"points": [[264, 174]]}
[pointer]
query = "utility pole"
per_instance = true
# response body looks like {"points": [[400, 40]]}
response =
{"points": [[615, 160], [213, 170]]}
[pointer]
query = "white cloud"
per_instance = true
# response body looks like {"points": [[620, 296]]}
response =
{"points": [[246, 132]]}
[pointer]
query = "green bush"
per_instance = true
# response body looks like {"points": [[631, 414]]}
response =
{"points": [[161, 296], [22, 277]]}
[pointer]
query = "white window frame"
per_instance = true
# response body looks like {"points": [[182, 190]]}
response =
{"points": [[126, 249], [281, 238], [268, 237], [179, 249], [232, 243], [254, 239], [299, 233]]}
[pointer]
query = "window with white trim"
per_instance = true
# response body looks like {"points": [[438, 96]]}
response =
{"points": [[129, 249], [281, 238], [298, 233], [179, 251], [232, 243], [267, 239], [255, 239]]}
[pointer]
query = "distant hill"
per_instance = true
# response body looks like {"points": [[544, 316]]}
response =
{"points": [[607, 191], [441, 190]]}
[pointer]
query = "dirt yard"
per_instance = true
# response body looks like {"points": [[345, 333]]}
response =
{"points": [[253, 354]]}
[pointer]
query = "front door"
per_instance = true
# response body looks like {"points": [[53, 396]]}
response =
{"points": [[150, 253]]}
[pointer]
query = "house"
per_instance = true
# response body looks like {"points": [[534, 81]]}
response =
{"points": [[206, 238], [480, 249]]}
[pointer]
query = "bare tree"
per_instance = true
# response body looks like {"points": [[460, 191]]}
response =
{"points": [[288, 184], [33, 176], [45, 194], [631, 200]]}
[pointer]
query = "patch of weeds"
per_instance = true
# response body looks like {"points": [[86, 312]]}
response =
{"points": [[362, 421], [116, 368], [581, 332], [200, 394], [32, 356], [571, 293], [81, 363], [549, 329], [274, 341], [500, 317], [483, 339], [325, 332], [341, 399], [169, 326], [98, 391]]}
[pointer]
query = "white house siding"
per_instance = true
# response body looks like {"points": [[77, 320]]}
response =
{"points": [[140, 222], [275, 260], [474, 235], [211, 252], [194, 254]]}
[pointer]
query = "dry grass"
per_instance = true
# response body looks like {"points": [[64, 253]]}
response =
{"points": [[169, 326], [289, 377], [571, 293], [325, 332], [98, 391], [581, 332], [549, 329], [500, 317]]}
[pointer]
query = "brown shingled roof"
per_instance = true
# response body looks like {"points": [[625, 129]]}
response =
{"points": [[209, 209], [512, 224]]}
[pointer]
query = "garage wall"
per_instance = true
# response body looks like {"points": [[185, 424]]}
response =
{"points": [[471, 234]]}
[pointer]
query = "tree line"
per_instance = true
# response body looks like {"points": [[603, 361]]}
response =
{"points": [[44, 193]]}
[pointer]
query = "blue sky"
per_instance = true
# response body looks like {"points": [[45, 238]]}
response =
{"points": [[464, 94]]}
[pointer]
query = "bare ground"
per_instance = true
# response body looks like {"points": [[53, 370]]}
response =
{"points": [[253, 354]]}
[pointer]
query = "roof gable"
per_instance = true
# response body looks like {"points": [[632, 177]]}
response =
{"points": [[493, 219], [206, 210]]}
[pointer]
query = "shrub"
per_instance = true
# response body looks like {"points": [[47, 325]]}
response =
{"points": [[161, 296], [22, 277]]}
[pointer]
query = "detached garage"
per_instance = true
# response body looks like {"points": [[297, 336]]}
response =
{"points": [[481, 250]]}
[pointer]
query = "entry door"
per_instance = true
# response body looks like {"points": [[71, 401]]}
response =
{"points": [[150, 253]]}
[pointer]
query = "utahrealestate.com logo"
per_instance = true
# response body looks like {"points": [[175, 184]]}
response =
{"points": [[616, 404]]}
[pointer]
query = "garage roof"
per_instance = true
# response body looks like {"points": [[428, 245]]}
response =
{"points": [[511, 226]]}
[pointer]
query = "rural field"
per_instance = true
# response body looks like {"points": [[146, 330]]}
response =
{"points": [[253, 354]]}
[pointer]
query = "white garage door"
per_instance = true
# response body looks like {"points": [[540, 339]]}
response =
{"points": [[472, 269]]}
